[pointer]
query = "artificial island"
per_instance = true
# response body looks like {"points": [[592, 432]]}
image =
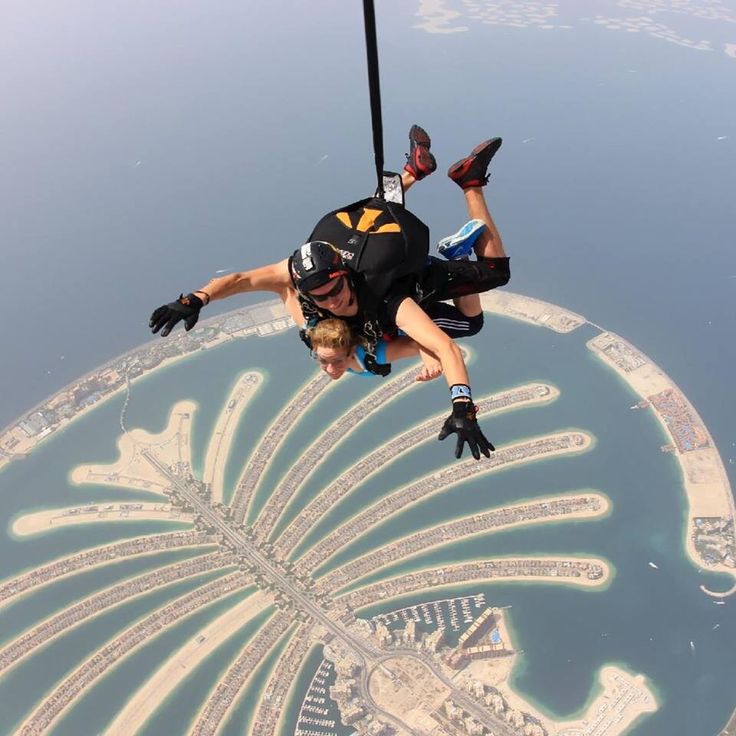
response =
{"points": [[436, 667]]}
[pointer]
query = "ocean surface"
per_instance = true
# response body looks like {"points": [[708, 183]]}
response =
{"points": [[146, 148]]}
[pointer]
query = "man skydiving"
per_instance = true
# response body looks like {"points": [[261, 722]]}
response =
{"points": [[368, 264]]}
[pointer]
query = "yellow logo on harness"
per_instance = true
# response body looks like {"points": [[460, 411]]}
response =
{"points": [[367, 221]]}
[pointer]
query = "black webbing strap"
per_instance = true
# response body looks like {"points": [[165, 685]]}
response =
{"points": [[371, 47]]}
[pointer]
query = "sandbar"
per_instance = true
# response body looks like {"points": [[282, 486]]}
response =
{"points": [[532, 311], [706, 484], [43, 521], [222, 437], [141, 706], [132, 469]]}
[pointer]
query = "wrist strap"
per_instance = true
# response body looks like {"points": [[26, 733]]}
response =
{"points": [[460, 391], [207, 296]]}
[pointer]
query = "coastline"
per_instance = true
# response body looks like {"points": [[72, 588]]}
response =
{"points": [[616, 695], [131, 469], [266, 318], [81, 396], [39, 522], [151, 694], [441, 535], [228, 420], [704, 479]]}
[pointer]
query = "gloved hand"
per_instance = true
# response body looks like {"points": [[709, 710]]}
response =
{"points": [[184, 308], [462, 421]]}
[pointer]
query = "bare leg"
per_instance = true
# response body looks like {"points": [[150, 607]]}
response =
{"points": [[488, 244], [407, 180], [469, 305]]}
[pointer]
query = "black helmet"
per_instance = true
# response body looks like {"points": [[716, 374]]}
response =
{"points": [[314, 264]]}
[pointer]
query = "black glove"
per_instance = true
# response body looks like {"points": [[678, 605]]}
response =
{"points": [[184, 308], [463, 422]]}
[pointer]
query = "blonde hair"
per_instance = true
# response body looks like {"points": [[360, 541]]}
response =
{"points": [[332, 333]]}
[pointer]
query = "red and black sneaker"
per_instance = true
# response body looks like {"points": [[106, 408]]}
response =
{"points": [[472, 170], [419, 161]]}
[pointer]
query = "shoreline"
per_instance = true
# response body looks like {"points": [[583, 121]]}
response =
{"points": [[40, 522], [407, 556], [460, 586], [337, 490], [151, 694], [478, 470], [704, 479], [262, 319], [228, 420], [131, 469], [610, 678]]}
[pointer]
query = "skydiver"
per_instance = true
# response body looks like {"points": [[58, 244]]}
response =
{"points": [[338, 350], [388, 289]]}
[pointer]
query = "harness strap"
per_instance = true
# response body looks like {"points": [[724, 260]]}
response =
{"points": [[374, 86]]}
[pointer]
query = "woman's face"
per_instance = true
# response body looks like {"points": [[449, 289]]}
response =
{"points": [[333, 361]]}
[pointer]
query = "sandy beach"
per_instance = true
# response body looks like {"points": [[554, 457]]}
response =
{"points": [[132, 470], [704, 477], [43, 521], [530, 310], [222, 437], [172, 672]]}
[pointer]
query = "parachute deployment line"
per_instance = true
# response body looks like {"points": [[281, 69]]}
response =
{"points": [[374, 86]]}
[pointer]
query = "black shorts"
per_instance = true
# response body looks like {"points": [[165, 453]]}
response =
{"points": [[452, 321]]}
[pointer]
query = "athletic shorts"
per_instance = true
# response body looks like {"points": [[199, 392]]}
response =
{"points": [[452, 321]]}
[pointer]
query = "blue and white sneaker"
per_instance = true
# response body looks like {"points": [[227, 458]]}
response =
{"points": [[458, 247]]}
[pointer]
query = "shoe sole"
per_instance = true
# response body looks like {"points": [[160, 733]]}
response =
{"points": [[474, 229], [423, 163], [420, 137], [460, 168]]}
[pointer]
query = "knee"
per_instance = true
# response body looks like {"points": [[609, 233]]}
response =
{"points": [[499, 270], [475, 324]]}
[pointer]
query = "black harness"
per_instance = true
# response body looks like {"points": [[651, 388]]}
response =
{"points": [[383, 245]]}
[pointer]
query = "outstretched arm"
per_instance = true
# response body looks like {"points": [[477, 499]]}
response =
{"points": [[274, 277], [462, 422], [414, 322]]}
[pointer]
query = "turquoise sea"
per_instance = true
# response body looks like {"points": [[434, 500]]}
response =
{"points": [[644, 620]]}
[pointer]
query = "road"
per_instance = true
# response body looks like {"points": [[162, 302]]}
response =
{"points": [[367, 654]]}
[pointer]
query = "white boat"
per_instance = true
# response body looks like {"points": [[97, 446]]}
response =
{"points": [[651, 564]]}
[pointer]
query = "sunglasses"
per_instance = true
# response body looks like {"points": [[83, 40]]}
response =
{"points": [[336, 362], [334, 291]]}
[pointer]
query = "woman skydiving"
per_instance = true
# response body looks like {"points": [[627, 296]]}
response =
{"points": [[368, 263]]}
